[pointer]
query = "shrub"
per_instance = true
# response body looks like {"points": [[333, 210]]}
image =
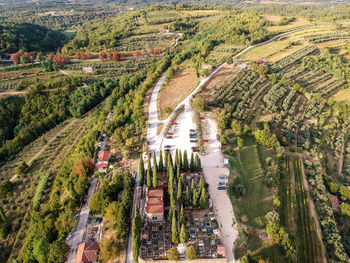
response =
{"points": [[173, 254], [191, 252]]}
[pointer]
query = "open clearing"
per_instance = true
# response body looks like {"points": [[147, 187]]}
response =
{"points": [[342, 96], [177, 89], [299, 22]]}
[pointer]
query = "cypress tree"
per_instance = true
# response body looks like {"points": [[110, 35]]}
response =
{"points": [[192, 167], [155, 161], [198, 164], [203, 201], [182, 216], [188, 196], [141, 171], [201, 184], [185, 162], [180, 159], [154, 179], [183, 234], [160, 165], [195, 198], [177, 157], [166, 160], [174, 231], [171, 159], [179, 191], [178, 172], [148, 183], [193, 185]]}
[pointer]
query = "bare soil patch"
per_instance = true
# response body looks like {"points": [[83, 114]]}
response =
{"points": [[177, 89]]}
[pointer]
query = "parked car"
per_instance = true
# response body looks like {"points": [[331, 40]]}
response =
{"points": [[222, 177], [174, 123], [193, 136], [68, 237], [205, 140], [202, 118], [222, 188], [193, 148], [192, 130], [221, 183], [170, 133], [149, 125], [193, 141], [169, 137], [167, 146], [218, 136], [196, 150]]}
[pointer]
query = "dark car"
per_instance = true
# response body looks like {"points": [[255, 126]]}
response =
{"points": [[192, 130], [167, 146], [195, 150], [222, 188], [193, 141], [218, 136], [193, 136], [169, 137]]}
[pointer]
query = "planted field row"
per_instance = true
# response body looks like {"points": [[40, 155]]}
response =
{"points": [[225, 93], [132, 63], [308, 247], [273, 96], [319, 38], [329, 88], [293, 58]]}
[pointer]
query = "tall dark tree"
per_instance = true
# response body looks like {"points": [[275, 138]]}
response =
{"points": [[174, 231], [148, 179], [179, 191], [183, 234], [166, 159], [155, 160], [180, 159], [160, 164], [182, 216], [192, 166], [198, 164], [188, 197], [203, 201], [141, 171], [154, 178], [185, 162]]}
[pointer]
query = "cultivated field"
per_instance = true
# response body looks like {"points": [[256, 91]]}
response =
{"points": [[176, 90]]}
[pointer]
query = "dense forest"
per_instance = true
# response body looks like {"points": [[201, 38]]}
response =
{"points": [[28, 37]]}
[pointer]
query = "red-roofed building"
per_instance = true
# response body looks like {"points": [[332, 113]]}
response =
{"points": [[261, 61], [102, 161], [221, 250], [87, 253], [334, 202], [155, 204]]}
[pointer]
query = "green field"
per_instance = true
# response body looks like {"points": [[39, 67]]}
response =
{"points": [[258, 199]]}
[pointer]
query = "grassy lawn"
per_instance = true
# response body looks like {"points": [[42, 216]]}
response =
{"points": [[258, 199]]}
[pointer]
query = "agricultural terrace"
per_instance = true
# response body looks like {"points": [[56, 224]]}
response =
{"points": [[321, 36]]}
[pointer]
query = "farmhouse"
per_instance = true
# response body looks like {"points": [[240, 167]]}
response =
{"points": [[87, 253], [155, 205], [102, 161]]}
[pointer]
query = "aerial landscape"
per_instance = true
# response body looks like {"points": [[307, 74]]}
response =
{"points": [[162, 131]]}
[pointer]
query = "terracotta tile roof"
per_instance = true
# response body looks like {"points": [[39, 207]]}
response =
{"points": [[155, 192], [102, 165], [103, 157], [155, 200], [87, 252], [155, 204], [221, 250], [155, 209]]}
